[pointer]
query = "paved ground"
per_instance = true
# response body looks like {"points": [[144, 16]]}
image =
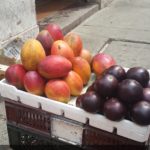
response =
{"points": [[3, 128], [122, 29]]}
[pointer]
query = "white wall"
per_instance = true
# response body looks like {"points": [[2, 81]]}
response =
{"points": [[17, 17]]}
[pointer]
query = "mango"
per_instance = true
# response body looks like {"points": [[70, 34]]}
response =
{"points": [[32, 52], [34, 83], [60, 47], [58, 90], [75, 42], [15, 75], [82, 67], [54, 66], [55, 31], [101, 62], [75, 83], [46, 40], [86, 54]]}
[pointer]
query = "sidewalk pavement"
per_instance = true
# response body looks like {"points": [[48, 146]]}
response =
{"points": [[122, 29], [3, 128]]}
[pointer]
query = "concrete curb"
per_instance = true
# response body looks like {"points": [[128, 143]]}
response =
{"points": [[70, 17]]}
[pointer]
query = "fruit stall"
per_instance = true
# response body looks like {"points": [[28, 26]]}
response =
{"points": [[61, 93]]}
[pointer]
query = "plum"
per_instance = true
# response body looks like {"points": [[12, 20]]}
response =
{"points": [[106, 86], [130, 91], [141, 113], [78, 101], [139, 74], [116, 71], [146, 94], [91, 87], [148, 84], [90, 102], [114, 109]]}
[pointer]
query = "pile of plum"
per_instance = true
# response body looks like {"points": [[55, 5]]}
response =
{"points": [[119, 94]]}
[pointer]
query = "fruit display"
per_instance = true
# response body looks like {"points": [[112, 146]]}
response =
{"points": [[122, 95], [58, 67], [53, 65]]}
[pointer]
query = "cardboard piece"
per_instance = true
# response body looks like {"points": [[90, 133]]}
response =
{"points": [[10, 54]]}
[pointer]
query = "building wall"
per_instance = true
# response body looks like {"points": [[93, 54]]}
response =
{"points": [[16, 18]]}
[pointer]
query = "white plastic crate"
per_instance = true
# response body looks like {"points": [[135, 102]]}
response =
{"points": [[66, 130], [124, 127]]}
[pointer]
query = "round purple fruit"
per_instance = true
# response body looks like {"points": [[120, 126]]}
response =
{"points": [[106, 86], [91, 102], [116, 71], [141, 113], [139, 74], [130, 91], [114, 109]]}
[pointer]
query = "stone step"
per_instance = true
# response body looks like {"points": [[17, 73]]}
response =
{"points": [[70, 17]]}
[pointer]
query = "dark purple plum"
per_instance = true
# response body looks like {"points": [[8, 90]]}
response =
{"points": [[139, 74], [148, 84], [146, 94], [91, 102], [106, 86], [78, 101], [141, 113], [114, 109], [130, 91], [117, 71], [91, 87]]}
